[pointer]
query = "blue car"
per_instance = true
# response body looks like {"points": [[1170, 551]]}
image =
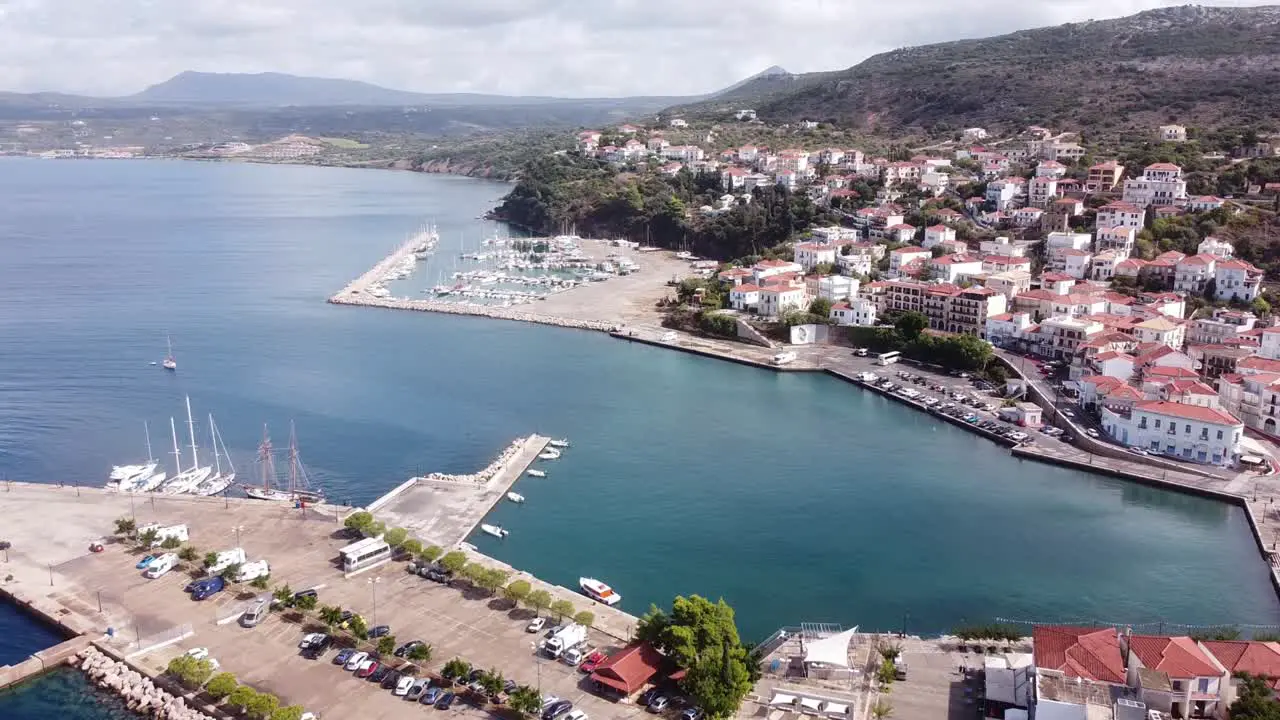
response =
{"points": [[144, 562], [446, 700], [343, 656], [431, 696], [208, 587]]}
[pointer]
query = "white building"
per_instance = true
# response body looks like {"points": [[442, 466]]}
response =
{"points": [[777, 300], [1237, 280], [856, 311], [1041, 190], [905, 256], [954, 268], [769, 268], [935, 234], [1193, 274], [1217, 248], [1187, 432], [1172, 133], [1001, 193], [744, 297], [811, 255], [1160, 184], [1058, 243], [1120, 214], [837, 287]]}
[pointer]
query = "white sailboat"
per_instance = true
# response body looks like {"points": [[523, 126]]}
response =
{"points": [[125, 477], [153, 476], [169, 362], [218, 481], [187, 481]]}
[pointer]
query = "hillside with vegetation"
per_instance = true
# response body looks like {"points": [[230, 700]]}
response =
{"points": [[1191, 65]]}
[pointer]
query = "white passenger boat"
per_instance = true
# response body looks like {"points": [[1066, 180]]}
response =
{"points": [[515, 497], [561, 443], [494, 530], [549, 455], [531, 472], [598, 591]]}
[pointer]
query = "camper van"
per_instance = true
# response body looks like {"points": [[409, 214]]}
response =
{"points": [[178, 532], [256, 613], [226, 559], [253, 571], [160, 566]]}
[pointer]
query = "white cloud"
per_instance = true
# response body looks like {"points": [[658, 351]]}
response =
{"points": [[542, 47]]}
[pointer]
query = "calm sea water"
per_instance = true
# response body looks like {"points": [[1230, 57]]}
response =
{"points": [[64, 694], [797, 498]]}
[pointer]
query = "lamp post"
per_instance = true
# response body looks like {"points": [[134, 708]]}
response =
{"points": [[236, 529], [373, 583], [537, 661]]}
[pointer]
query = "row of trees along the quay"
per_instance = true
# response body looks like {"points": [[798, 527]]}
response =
{"points": [[701, 637], [563, 191], [908, 336]]}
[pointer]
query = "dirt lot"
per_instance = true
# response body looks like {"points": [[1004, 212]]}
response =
{"points": [[627, 300]]}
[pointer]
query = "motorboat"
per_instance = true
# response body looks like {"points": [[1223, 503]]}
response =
{"points": [[599, 591], [549, 455], [535, 473], [515, 497], [561, 443], [494, 530]]}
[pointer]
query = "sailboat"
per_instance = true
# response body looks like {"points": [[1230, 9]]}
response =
{"points": [[186, 480], [217, 482], [169, 362], [299, 488], [125, 477]]}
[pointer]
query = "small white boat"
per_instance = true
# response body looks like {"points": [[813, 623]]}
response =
{"points": [[535, 473], [515, 497], [549, 455], [494, 530], [169, 362], [598, 591], [561, 443]]}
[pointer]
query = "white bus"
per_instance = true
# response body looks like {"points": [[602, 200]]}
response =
{"points": [[365, 553], [888, 358]]}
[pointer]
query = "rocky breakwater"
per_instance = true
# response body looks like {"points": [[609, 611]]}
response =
{"points": [[498, 313], [140, 694], [485, 475]]}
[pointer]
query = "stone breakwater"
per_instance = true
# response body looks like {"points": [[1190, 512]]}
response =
{"points": [[498, 313], [140, 694], [489, 471]]}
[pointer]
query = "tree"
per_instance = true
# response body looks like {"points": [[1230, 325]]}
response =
{"points": [[517, 591], [525, 700], [358, 627], [359, 521], [290, 712], [262, 582], [263, 705], [221, 685], [562, 609], [125, 527], [210, 559], [241, 697], [1253, 700], [492, 579], [306, 603], [718, 681], [539, 600], [331, 615], [283, 595], [170, 543], [652, 626], [702, 637], [456, 668], [413, 546], [887, 672], [820, 307], [910, 324], [188, 554], [395, 537], [585, 618], [148, 538], [472, 572], [431, 553], [189, 671], [881, 710], [421, 653], [387, 644], [376, 529], [453, 561], [492, 681], [231, 573], [1260, 306]]}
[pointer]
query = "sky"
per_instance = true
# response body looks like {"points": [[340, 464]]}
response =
{"points": [[567, 48]]}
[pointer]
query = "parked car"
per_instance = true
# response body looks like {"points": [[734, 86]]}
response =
{"points": [[403, 683], [535, 624], [445, 701], [309, 592], [378, 631], [354, 662], [199, 653], [509, 685], [393, 680], [592, 661], [576, 715], [208, 587], [367, 668], [556, 710], [658, 703], [145, 561], [549, 700], [343, 656], [317, 647], [431, 696], [692, 713], [1091, 433], [416, 689], [380, 674]]}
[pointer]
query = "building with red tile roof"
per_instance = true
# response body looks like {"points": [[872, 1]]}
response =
{"points": [[1078, 652], [1247, 656], [627, 670]]}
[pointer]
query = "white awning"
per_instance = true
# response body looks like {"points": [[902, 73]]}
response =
{"points": [[833, 651], [834, 708], [1251, 459], [783, 699], [813, 704]]}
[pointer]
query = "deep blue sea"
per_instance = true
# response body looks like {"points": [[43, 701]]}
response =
{"points": [[797, 498]]}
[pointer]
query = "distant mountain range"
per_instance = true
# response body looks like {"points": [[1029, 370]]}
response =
{"points": [[1193, 65]]}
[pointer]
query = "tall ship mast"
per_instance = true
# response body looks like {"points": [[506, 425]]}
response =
{"points": [[299, 485]]}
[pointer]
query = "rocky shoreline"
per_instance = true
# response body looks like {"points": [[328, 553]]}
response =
{"points": [[140, 693], [487, 473], [498, 313]]}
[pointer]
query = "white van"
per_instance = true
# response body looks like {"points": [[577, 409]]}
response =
{"points": [[256, 613], [161, 565]]}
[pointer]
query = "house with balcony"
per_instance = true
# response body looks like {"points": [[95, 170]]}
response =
{"points": [[1215, 361], [1027, 216], [1041, 190], [1224, 326], [1161, 184], [1161, 329], [906, 255], [744, 297], [1239, 657], [1118, 239], [1162, 270], [954, 268], [1237, 281], [1174, 675], [1058, 243], [1103, 177], [811, 255], [935, 234], [1192, 274], [778, 300], [1186, 432], [1254, 398], [1120, 214], [1009, 283], [855, 311], [766, 269], [1062, 336], [1219, 249]]}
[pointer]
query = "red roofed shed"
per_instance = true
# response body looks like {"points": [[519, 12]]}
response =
{"points": [[627, 670]]}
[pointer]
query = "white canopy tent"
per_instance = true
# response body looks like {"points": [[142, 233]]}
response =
{"points": [[830, 651], [782, 699]]}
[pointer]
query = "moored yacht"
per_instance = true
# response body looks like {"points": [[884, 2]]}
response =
{"points": [[561, 443], [494, 530], [598, 591], [549, 454]]}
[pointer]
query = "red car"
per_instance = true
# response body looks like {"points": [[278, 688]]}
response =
{"points": [[367, 668], [592, 661]]}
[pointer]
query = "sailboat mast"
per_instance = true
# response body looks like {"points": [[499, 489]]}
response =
{"points": [[293, 459], [177, 455], [191, 430], [147, 431], [264, 459], [213, 441]]}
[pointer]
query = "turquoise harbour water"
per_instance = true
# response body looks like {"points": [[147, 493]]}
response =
{"points": [[64, 694], [798, 498]]}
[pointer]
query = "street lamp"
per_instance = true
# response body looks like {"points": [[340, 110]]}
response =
{"points": [[236, 529], [373, 583], [537, 661]]}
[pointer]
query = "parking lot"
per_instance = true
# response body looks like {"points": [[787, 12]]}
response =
{"points": [[468, 624]]}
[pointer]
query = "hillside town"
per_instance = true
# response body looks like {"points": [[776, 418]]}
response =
{"points": [[1017, 242]]}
